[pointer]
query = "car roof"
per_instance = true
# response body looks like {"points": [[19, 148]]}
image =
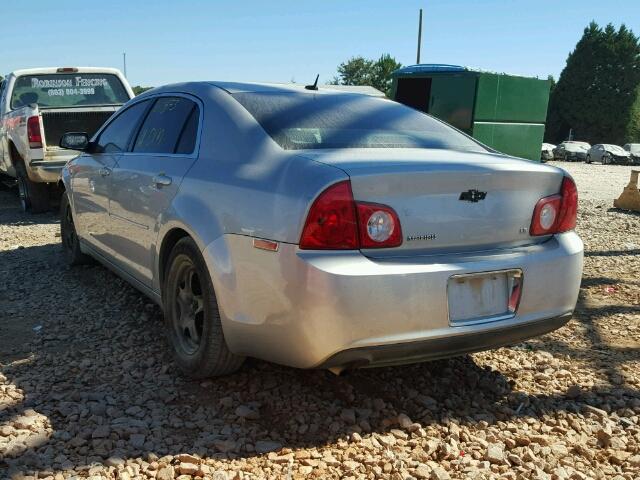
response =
{"points": [[50, 70], [258, 87], [200, 87]]}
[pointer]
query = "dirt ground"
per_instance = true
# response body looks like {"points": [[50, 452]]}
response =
{"points": [[88, 390]]}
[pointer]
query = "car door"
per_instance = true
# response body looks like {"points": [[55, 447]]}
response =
{"points": [[91, 176], [147, 178], [562, 151], [602, 152]]}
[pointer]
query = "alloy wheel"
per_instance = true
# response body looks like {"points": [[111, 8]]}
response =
{"points": [[188, 308]]}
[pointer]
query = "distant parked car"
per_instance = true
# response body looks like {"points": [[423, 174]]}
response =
{"points": [[634, 150], [571, 151], [606, 153], [547, 151], [317, 228]]}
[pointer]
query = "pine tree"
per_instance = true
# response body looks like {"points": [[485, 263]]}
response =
{"points": [[597, 94]]}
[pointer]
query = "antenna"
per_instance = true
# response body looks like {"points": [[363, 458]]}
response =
{"points": [[419, 37], [315, 84]]}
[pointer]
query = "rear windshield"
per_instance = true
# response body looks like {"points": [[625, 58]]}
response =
{"points": [[313, 121], [68, 90]]}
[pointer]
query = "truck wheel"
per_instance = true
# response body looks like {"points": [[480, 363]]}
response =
{"points": [[34, 197], [192, 318], [70, 241]]}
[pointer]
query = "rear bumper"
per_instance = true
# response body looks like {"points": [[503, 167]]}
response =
{"points": [[48, 170], [445, 347], [314, 309], [45, 172]]}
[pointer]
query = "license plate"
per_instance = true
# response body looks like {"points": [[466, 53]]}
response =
{"points": [[483, 297]]}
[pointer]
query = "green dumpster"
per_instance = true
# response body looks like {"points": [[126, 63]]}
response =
{"points": [[505, 112]]}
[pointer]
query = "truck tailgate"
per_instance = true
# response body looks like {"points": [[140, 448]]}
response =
{"points": [[56, 123]]}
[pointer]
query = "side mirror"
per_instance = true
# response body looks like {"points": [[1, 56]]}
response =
{"points": [[75, 141]]}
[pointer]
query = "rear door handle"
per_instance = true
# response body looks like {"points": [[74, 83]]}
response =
{"points": [[161, 180], [105, 171]]}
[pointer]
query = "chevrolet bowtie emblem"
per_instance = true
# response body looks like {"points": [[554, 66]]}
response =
{"points": [[472, 196]]}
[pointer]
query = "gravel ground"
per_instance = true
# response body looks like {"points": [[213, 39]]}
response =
{"points": [[87, 388]]}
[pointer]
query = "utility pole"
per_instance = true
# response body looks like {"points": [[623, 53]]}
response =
{"points": [[419, 36], [124, 63]]}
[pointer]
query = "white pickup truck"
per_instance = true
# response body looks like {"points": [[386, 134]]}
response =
{"points": [[37, 106]]}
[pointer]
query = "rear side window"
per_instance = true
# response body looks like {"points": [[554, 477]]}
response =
{"points": [[116, 136], [187, 140], [170, 127]]}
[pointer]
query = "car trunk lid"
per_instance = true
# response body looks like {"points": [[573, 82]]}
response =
{"points": [[448, 201]]}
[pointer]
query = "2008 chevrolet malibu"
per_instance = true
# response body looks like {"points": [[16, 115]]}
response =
{"points": [[319, 229]]}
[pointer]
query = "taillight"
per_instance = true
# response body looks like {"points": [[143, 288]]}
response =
{"points": [[337, 222], [33, 132], [331, 223], [379, 226], [556, 213], [569, 208]]}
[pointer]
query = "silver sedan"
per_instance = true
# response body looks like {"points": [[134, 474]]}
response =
{"points": [[319, 229]]}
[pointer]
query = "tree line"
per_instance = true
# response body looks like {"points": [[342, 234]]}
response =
{"points": [[597, 96]]}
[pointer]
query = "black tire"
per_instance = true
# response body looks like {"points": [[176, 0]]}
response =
{"points": [[606, 159], [192, 318], [34, 197], [70, 241], [588, 159]]}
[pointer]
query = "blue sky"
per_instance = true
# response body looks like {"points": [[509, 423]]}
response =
{"points": [[247, 40]]}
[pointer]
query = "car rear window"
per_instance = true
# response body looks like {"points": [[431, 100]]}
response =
{"points": [[68, 90], [324, 120]]}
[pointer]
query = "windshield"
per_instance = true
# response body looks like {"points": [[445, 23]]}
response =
{"points": [[68, 90], [314, 121]]}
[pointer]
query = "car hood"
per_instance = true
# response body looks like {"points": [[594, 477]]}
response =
{"points": [[618, 153]]}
